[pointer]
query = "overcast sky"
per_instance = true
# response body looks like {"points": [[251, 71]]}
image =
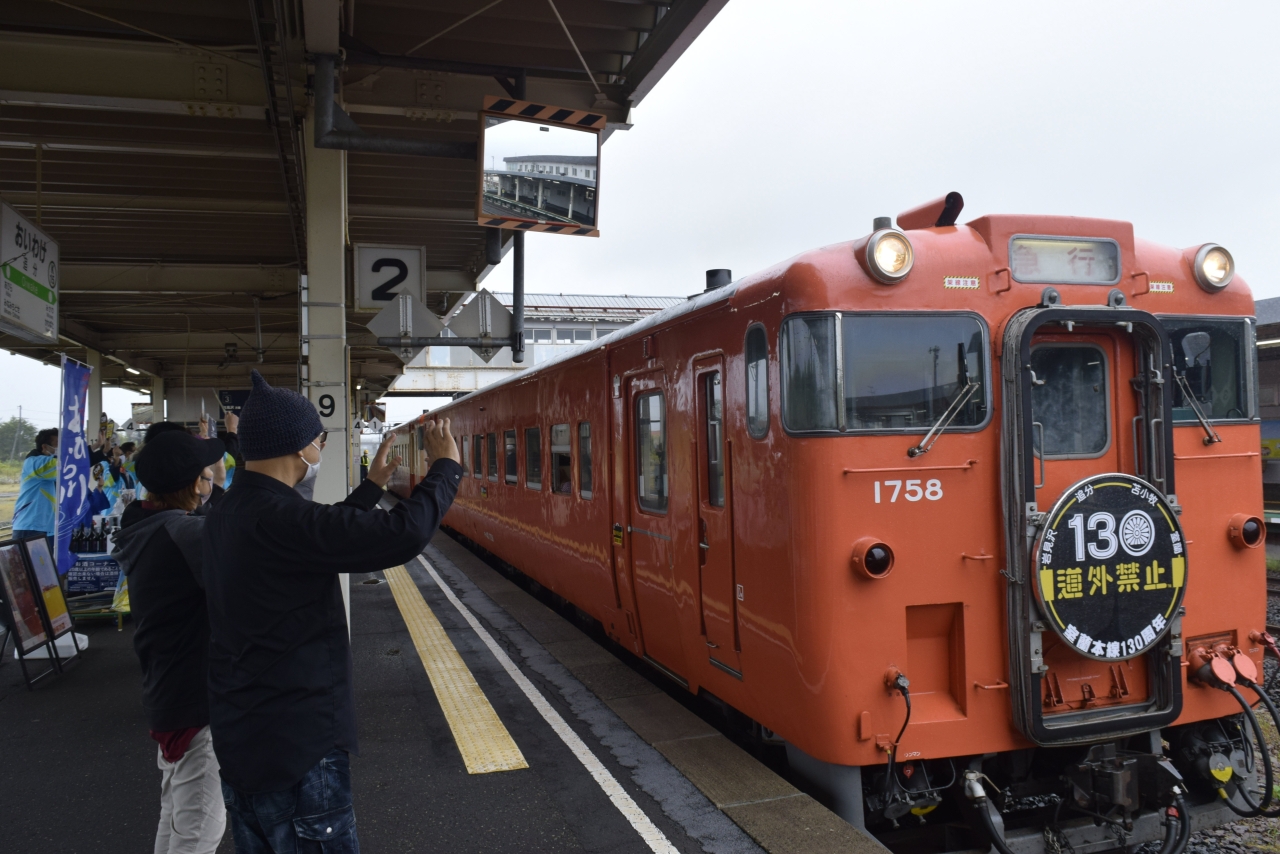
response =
{"points": [[790, 126]]}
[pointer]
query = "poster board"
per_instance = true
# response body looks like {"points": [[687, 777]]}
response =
{"points": [[46, 577], [21, 613]]}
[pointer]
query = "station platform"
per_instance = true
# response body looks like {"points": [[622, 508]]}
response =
{"points": [[600, 758]]}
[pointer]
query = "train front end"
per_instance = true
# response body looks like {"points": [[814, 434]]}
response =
{"points": [[1051, 454]]}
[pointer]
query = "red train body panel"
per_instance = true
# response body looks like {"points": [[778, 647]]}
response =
{"points": [[734, 574]]}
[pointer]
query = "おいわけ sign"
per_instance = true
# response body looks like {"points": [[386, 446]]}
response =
{"points": [[28, 279]]}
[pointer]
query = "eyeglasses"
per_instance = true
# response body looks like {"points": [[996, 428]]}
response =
{"points": [[323, 438]]}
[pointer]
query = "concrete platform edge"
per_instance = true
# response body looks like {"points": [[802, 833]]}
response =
{"points": [[605, 694]]}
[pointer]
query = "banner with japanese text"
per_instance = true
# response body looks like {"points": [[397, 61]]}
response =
{"points": [[74, 481]]}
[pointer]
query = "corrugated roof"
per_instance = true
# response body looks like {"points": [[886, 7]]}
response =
{"points": [[623, 302], [570, 159], [1267, 311]]}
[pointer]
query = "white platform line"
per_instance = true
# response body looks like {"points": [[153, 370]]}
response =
{"points": [[648, 831]]}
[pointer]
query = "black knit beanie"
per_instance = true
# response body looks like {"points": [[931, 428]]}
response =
{"points": [[276, 422]]}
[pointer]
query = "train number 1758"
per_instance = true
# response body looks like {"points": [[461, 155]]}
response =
{"points": [[913, 491]]}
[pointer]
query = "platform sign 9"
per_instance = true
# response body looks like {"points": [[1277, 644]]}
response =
{"points": [[383, 272], [1110, 567]]}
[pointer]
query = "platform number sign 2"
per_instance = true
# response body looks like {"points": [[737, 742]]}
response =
{"points": [[384, 272]]}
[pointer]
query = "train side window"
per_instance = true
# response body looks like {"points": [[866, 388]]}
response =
{"points": [[1216, 359], [584, 459], [466, 455], [715, 438], [1070, 402], [533, 457], [757, 359], [809, 381], [491, 444], [509, 456], [561, 460], [477, 459], [651, 452]]}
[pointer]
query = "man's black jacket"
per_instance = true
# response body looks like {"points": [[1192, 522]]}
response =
{"points": [[280, 690]]}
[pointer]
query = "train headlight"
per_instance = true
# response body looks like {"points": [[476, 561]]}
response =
{"points": [[872, 558], [889, 256], [1213, 267]]}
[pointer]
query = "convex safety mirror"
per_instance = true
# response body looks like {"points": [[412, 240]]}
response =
{"points": [[539, 167]]}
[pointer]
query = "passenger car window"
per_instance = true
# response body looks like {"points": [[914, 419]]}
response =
{"points": [[533, 457], [715, 438], [584, 459], [561, 460], [1070, 403], [1215, 357], [491, 443], [466, 455], [477, 463], [509, 455], [651, 452], [903, 372], [757, 361], [809, 373]]}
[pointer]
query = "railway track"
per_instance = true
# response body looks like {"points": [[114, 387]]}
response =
{"points": [[1273, 587]]}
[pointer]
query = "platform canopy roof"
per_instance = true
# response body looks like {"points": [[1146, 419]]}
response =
{"points": [[161, 143]]}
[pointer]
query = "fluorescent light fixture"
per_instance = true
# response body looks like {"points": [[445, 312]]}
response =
{"points": [[1270, 342], [133, 371]]}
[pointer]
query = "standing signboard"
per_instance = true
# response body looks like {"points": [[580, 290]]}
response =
{"points": [[73, 460], [28, 279], [382, 272], [22, 615]]}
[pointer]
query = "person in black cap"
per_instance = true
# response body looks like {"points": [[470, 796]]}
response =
{"points": [[159, 548], [280, 676]]}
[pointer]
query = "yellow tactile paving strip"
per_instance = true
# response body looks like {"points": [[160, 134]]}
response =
{"points": [[483, 741]]}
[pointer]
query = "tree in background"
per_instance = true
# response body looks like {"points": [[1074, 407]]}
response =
{"points": [[17, 436]]}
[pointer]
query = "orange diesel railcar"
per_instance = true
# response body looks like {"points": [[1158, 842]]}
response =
{"points": [[997, 479]]}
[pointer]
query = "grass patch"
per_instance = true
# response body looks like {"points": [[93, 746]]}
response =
{"points": [[1273, 564], [6, 507], [10, 473]]}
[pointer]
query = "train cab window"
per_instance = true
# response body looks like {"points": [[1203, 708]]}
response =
{"points": [[509, 456], [491, 447], [757, 359], [903, 372], [1214, 360], [561, 460], [466, 455], [477, 461], [714, 403], [809, 393], [651, 452], [584, 459], [533, 457], [1070, 402]]}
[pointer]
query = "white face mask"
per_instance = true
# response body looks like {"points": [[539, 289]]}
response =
{"points": [[313, 469]]}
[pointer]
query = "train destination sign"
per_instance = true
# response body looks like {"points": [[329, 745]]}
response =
{"points": [[1111, 567], [28, 279]]}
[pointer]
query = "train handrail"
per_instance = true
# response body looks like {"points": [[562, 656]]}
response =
{"points": [[967, 465]]}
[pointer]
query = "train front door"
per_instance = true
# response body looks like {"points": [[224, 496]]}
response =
{"points": [[1089, 533], [657, 593], [715, 519]]}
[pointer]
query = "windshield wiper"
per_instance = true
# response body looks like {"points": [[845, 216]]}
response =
{"points": [[945, 421], [1210, 435]]}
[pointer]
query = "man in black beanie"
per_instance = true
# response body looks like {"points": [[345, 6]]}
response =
{"points": [[281, 703]]}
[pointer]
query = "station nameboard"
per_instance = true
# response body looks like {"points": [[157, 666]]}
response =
{"points": [[28, 279]]}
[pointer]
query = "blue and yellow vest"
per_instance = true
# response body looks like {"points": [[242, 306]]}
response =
{"points": [[37, 497]]}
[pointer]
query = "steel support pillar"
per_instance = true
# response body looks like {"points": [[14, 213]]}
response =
{"points": [[94, 405], [324, 318], [157, 399]]}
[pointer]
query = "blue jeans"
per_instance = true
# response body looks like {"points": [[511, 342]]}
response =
{"points": [[27, 535], [316, 816]]}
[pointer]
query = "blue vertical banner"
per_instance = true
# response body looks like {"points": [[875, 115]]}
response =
{"points": [[74, 482]]}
